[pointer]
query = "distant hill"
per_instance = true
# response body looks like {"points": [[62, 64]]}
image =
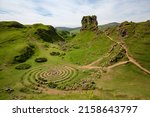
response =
{"points": [[77, 29], [105, 26], [66, 28], [10, 24]]}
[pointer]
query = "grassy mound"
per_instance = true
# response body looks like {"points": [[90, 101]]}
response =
{"points": [[23, 66], [87, 46], [11, 24], [48, 35], [40, 60], [137, 39], [25, 54], [55, 53]]}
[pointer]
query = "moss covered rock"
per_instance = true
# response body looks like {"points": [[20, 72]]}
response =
{"points": [[25, 54], [55, 53], [89, 23], [48, 35], [23, 66], [40, 60]]}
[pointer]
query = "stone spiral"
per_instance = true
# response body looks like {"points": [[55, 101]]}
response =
{"points": [[37, 78]]}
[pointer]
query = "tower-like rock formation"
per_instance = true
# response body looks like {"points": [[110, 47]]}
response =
{"points": [[89, 23]]}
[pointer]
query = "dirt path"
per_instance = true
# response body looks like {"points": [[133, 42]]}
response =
{"points": [[131, 59], [90, 67], [98, 60], [117, 64], [107, 68]]}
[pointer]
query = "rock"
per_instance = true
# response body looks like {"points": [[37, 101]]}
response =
{"points": [[124, 33], [55, 53], [48, 35], [89, 23], [23, 66], [9, 90], [25, 54], [40, 60]]}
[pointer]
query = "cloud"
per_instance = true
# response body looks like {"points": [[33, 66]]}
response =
{"points": [[70, 12]]}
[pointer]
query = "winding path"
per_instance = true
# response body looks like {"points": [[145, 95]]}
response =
{"points": [[130, 59]]}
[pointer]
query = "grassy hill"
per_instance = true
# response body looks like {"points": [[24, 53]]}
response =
{"points": [[87, 44], [66, 28], [136, 36], [15, 39], [39, 62], [77, 29], [109, 25]]}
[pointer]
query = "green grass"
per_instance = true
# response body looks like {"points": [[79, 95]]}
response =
{"points": [[11, 39], [106, 61], [90, 47], [75, 31], [126, 80], [122, 82], [137, 40]]}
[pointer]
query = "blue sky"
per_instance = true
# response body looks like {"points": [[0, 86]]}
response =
{"points": [[69, 12]]}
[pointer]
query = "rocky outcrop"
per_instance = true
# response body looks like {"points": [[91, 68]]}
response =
{"points": [[48, 35], [25, 54], [89, 23]]}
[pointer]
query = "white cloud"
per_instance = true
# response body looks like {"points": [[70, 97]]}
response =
{"points": [[70, 12]]}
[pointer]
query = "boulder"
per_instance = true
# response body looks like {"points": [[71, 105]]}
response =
{"points": [[89, 23]]}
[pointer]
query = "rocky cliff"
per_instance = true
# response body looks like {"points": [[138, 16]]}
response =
{"points": [[89, 23]]}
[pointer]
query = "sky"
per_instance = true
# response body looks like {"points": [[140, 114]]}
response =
{"points": [[69, 13]]}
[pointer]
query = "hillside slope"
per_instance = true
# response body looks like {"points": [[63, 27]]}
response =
{"points": [[15, 37], [136, 37], [87, 44], [77, 29], [38, 62]]}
